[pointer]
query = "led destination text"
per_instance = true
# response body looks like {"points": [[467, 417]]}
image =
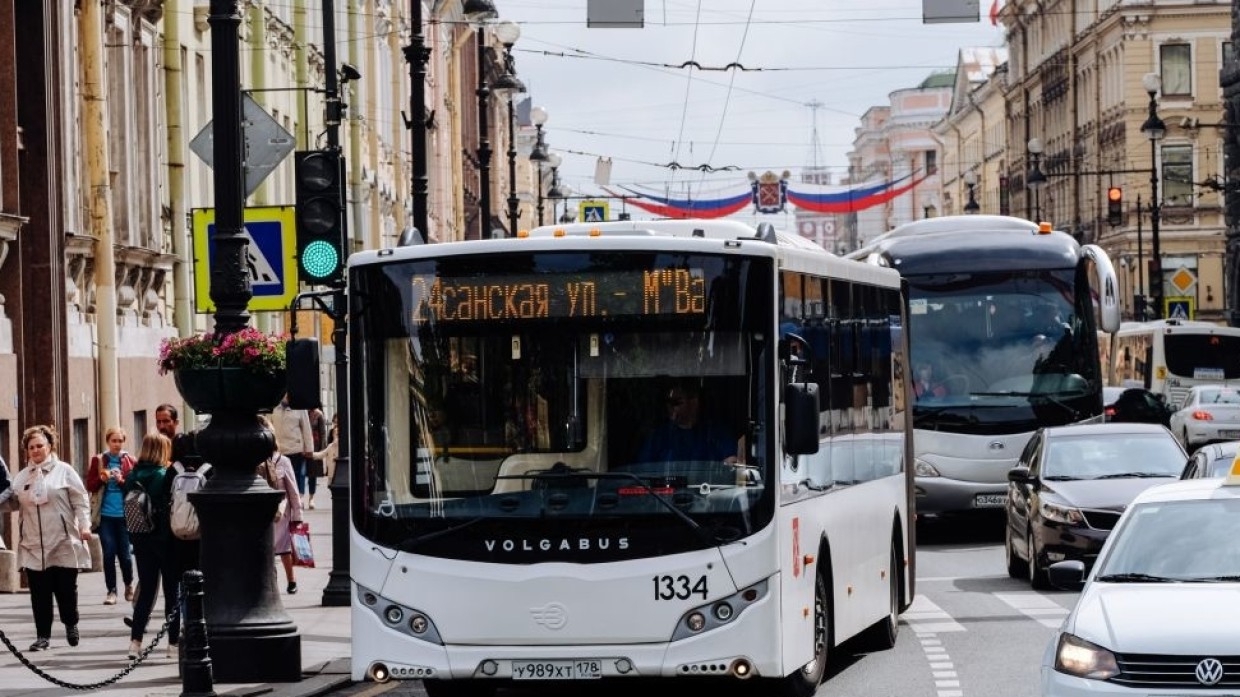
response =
{"points": [[544, 296]]}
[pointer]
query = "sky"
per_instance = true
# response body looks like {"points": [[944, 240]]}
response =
{"points": [[621, 93]]}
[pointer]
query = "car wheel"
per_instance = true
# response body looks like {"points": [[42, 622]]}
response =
{"points": [[1037, 575], [1016, 567]]}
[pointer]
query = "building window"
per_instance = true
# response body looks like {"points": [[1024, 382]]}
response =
{"points": [[1229, 54], [1177, 175], [82, 450], [1177, 70], [932, 162]]}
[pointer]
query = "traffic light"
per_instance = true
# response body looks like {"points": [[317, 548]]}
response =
{"points": [[320, 215], [1115, 206]]}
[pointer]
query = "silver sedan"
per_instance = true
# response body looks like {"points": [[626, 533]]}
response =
{"points": [[1208, 413]]}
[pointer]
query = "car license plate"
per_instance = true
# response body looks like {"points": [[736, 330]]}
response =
{"points": [[1234, 434], [576, 669], [989, 500]]}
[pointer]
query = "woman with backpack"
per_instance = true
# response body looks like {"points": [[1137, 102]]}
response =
{"points": [[151, 532], [105, 480]]}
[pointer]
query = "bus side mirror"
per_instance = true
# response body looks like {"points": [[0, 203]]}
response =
{"points": [[301, 358], [801, 417]]}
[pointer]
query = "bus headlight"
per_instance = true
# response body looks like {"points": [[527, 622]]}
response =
{"points": [[696, 621], [393, 614], [398, 617], [921, 468], [1078, 657], [723, 612], [418, 624]]}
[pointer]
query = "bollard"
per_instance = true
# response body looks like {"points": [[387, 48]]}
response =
{"points": [[195, 659]]}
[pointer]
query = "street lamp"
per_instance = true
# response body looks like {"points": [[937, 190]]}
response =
{"points": [[970, 180], [508, 33], [539, 155], [484, 139], [566, 217], [555, 192], [1035, 180], [1154, 129]]}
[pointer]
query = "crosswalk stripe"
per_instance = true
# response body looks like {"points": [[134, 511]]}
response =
{"points": [[923, 616], [1035, 606]]}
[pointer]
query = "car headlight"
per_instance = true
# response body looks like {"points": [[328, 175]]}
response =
{"points": [[921, 468], [1060, 514], [1078, 657]]}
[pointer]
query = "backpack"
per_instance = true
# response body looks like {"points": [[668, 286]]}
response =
{"points": [[138, 514], [183, 515]]}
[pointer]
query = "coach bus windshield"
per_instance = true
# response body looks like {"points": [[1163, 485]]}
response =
{"points": [[1001, 352], [562, 406]]}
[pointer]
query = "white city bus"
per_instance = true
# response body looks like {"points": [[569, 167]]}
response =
{"points": [[1007, 312], [1168, 356], [505, 525]]}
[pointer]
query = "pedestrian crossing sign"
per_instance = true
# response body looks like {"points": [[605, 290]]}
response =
{"points": [[592, 211], [1180, 307], [271, 260]]}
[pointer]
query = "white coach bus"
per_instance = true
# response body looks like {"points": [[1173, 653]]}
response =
{"points": [[1168, 356], [510, 519]]}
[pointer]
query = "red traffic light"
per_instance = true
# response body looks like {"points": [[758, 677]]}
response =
{"points": [[1115, 194]]}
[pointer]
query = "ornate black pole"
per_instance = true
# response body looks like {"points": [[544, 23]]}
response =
{"points": [[417, 54], [484, 140], [252, 638], [512, 170], [339, 589]]}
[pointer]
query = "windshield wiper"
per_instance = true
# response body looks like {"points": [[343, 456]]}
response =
{"points": [[1061, 478], [697, 528], [409, 544], [1133, 577], [1136, 475], [1213, 579]]}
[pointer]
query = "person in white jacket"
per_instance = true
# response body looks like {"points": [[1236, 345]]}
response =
{"points": [[55, 528]]}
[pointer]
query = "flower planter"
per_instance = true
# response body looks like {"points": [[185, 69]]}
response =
{"points": [[221, 389]]}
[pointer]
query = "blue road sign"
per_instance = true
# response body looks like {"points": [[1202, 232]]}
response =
{"points": [[271, 259]]}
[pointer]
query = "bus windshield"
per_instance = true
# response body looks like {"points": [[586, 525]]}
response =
{"points": [[1000, 352], [536, 406], [1212, 356]]}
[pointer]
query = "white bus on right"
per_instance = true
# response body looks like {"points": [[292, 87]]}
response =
{"points": [[1169, 356]]}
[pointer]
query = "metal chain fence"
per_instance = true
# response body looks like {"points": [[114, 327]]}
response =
{"points": [[133, 663]]}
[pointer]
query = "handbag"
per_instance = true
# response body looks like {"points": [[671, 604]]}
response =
{"points": [[96, 508], [303, 553]]}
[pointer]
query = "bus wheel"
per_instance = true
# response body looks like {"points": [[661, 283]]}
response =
{"points": [[886, 630], [458, 688], [804, 682]]}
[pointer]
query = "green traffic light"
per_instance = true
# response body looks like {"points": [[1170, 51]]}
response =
{"points": [[320, 259]]}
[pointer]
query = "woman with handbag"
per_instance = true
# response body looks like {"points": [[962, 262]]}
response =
{"points": [[279, 473], [105, 480], [153, 545]]}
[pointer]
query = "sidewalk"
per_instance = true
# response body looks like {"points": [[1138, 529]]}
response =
{"points": [[101, 654]]}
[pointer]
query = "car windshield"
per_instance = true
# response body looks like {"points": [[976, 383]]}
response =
{"points": [[1195, 540], [1113, 456]]}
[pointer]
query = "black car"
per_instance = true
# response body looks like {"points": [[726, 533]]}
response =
{"points": [[1138, 405], [1072, 483]]}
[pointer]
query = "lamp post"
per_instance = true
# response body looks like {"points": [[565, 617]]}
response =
{"points": [[244, 615], [970, 180], [555, 193], [539, 155], [1035, 180], [508, 33], [566, 217], [1154, 129]]}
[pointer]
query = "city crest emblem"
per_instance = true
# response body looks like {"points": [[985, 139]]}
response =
{"points": [[770, 191]]}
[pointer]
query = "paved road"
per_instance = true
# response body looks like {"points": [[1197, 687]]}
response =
{"points": [[105, 639]]}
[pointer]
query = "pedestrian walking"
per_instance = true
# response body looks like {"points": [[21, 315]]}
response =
{"points": [[153, 548], [278, 472], [295, 437], [168, 422], [105, 480], [55, 528], [314, 464]]}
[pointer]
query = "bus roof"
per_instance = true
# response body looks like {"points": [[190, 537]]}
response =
{"points": [[970, 243], [1173, 325], [795, 253]]}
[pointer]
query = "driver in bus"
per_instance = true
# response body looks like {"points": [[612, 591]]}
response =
{"points": [[925, 384], [685, 435]]}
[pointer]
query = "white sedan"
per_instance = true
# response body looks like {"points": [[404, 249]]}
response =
{"points": [[1158, 614], [1208, 413]]}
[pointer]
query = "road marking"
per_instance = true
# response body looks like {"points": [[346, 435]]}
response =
{"points": [[923, 616], [946, 680], [1035, 606]]}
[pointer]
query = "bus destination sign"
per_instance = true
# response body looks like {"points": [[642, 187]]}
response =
{"points": [[672, 291]]}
